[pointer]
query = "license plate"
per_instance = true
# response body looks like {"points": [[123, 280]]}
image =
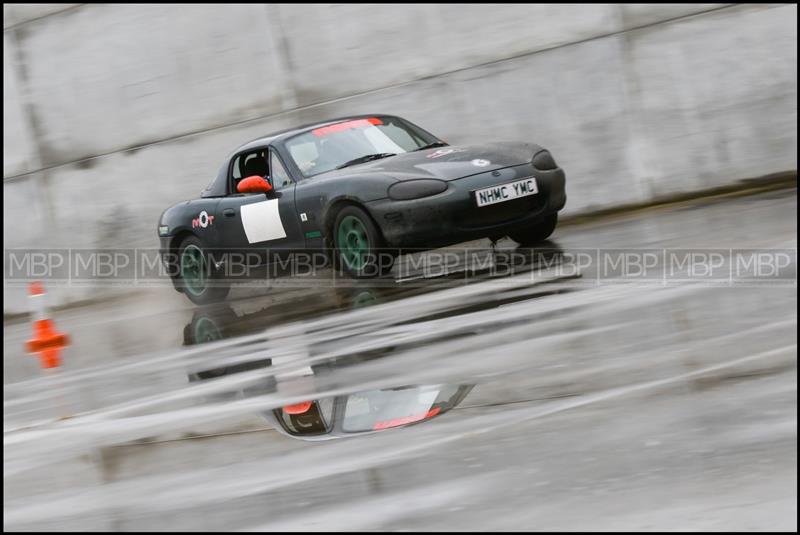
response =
{"points": [[506, 192]]}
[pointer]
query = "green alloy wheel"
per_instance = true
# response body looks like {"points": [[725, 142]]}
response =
{"points": [[197, 279], [358, 243], [354, 245], [194, 270]]}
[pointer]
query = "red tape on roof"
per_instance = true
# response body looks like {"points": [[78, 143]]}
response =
{"points": [[347, 125]]}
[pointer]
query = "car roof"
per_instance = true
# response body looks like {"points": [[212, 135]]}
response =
{"points": [[218, 185], [289, 132]]}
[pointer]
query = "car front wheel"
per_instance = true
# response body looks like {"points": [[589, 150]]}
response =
{"points": [[358, 242]]}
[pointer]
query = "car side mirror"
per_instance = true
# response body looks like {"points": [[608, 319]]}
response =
{"points": [[254, 184]]}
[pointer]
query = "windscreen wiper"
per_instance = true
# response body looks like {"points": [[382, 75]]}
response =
{"points": [[367, 158], [433, 145]]}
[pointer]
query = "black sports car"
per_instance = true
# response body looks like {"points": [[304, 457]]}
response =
{"points": [[363, 189]]}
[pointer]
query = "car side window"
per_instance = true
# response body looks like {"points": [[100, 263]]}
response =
{"points": [[280, 177], [248, 164]]}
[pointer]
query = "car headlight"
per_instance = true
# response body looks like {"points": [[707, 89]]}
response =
{"points": [[416, 189], [544, 161], [163, 230]]}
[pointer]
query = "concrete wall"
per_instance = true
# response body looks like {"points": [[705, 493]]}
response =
{"points": [[113, 112]]}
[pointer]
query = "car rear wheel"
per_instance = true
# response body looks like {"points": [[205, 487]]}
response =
{"points": [[197, 277], [537, 233], [358, 243]]}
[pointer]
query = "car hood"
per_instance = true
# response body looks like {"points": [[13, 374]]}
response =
{"points": [[446, 163]]}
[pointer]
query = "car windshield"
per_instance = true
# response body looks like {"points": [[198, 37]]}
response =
{"points": [[353, 142], [382, 409]]}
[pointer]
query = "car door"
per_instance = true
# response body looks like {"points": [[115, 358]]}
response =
{"points": [[258, 227]]}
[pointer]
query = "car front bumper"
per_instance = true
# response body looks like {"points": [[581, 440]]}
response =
{"points": [[453, 216]]}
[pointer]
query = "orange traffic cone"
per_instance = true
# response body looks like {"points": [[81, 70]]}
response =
{"points": [[46, 341]]}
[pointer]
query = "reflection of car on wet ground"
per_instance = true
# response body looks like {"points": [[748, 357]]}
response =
{"points": [[366, 188], [237, 318], [240, 317], [366, 412], [349, 414], [339, 416]]}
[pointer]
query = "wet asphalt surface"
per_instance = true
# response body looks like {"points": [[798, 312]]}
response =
{"points": [[593, 401]]}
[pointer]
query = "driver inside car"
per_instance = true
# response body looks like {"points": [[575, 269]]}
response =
{"points": [[255, 165]]}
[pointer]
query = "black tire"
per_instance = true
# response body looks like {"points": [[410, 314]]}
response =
{"points": [[358, 245], [537, 233], [205, 289]]}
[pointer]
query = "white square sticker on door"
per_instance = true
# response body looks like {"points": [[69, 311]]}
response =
{"points": [[262, 221]]}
